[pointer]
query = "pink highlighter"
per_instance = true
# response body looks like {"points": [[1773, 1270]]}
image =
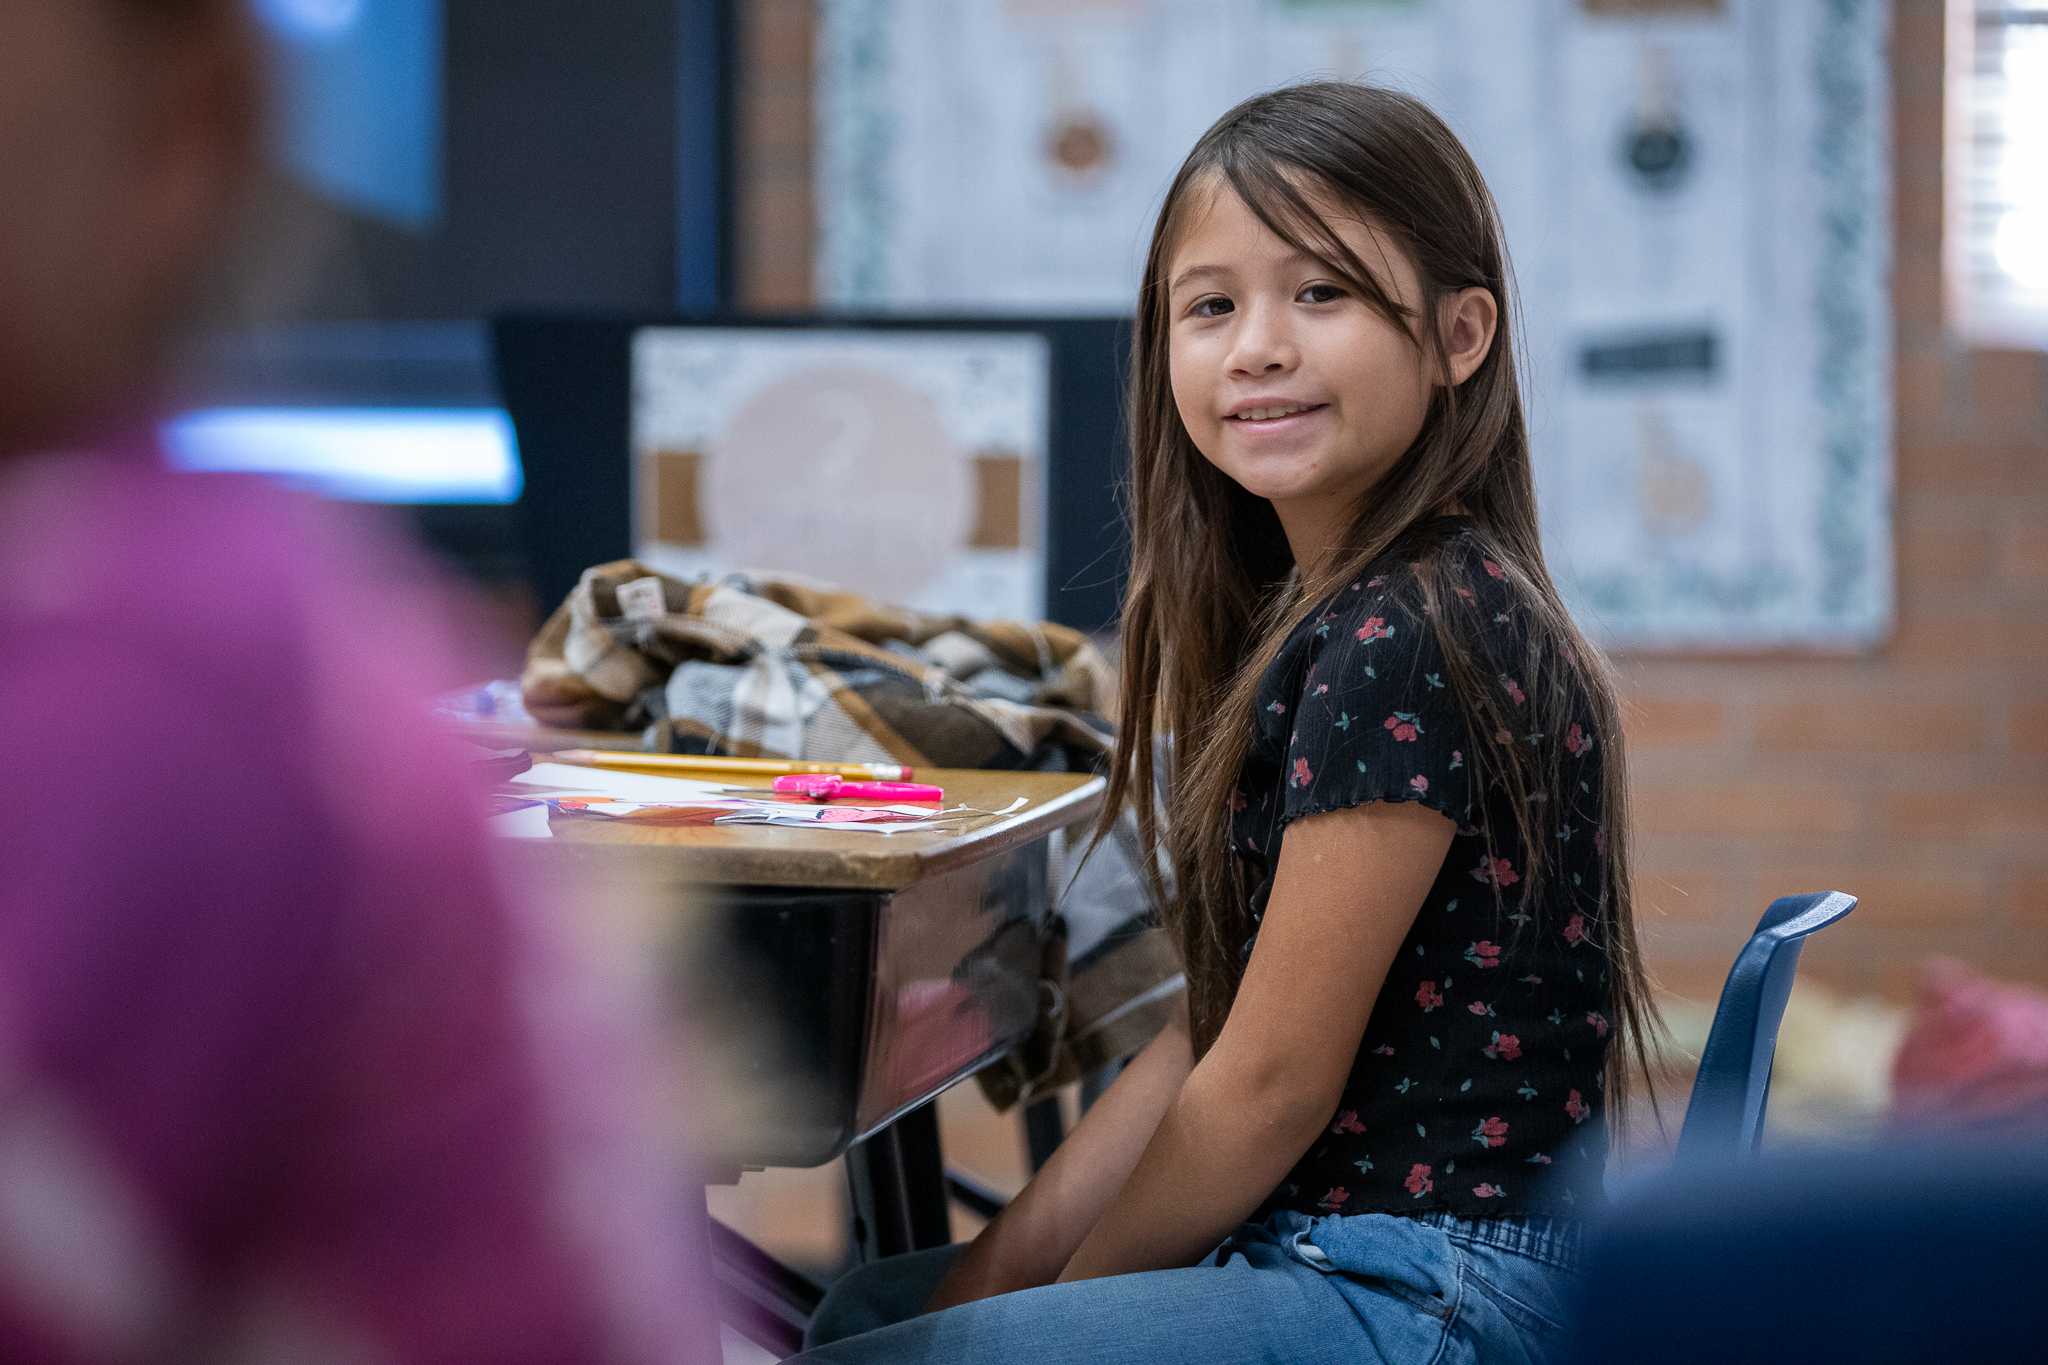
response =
{"points": [[828, 787]]}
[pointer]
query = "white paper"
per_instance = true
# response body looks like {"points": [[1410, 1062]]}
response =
{"points": [[528, 822], [576, 780]]}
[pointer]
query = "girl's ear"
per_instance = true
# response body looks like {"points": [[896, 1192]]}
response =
{"points": [[1468, 321]]}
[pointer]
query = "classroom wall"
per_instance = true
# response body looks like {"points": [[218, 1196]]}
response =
{"points": [[1915, 775], [772, 174]]}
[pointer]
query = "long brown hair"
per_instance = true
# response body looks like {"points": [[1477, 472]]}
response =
{"points": [[1211, 596]]}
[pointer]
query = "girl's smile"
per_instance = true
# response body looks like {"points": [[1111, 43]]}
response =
{"points": [[1268, 416]]}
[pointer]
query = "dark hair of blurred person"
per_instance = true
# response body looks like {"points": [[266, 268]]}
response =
{"points": [[282, 1073]]}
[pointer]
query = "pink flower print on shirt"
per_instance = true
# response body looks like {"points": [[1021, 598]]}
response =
{"points": [[1578, 741], [1334, 1200], [1322, 688], [1484, 953], [1347, 1122], [1487, 1191], [1418, 784], [1504, 1048], [1427, 996], [1495, 871], [1465, 593], [1384, 1050], [1576, 1107], [1375, 582], [1514, 689], [1418, 1181], [1493, 569], [1539, 1160], [1237, 801], [1575, 930], [1457, 759], [1492, 1132], [1405, 725], [1302, 776], [1375, 628], [1599, 1023], [1277, 708], [1479, 1007]]}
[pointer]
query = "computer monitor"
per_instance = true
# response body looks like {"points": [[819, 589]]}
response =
{"points": [[362, 454], [952, 464]]}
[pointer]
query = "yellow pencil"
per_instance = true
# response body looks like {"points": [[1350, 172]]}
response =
{"points": [[705, 763]]}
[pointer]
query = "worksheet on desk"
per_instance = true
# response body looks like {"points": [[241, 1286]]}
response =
{"points": [[565, 779], [602, 793]]}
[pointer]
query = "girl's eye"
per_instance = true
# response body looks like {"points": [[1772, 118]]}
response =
{"points": [[1212, 308], [1321, 293]]}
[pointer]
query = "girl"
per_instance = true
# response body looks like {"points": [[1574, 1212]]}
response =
{"points": [[1396, 833]]}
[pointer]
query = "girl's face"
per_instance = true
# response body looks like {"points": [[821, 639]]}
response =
{"points": [[1286, 380]]}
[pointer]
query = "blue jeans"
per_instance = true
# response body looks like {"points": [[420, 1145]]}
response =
{"points": [[1433, 1290]]}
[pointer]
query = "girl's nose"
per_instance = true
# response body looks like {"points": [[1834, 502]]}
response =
{"points": [[1264, 343]]}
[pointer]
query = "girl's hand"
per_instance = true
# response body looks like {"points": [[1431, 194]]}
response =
{"points": [[1345, 894], [1032, 1239]]}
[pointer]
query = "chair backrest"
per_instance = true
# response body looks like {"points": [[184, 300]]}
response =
{"points": [[1726, 1117]]}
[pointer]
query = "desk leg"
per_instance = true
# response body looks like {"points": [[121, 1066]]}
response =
{"points": [[898, 1182], [1044, 1130], [758, 1296]]}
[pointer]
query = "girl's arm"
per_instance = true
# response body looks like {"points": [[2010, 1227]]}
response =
{"points": [[1345, 894], [1031, 1240]]}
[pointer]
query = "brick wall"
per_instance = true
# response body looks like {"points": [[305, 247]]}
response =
{"points": [[1915, 776], [773, 171]]}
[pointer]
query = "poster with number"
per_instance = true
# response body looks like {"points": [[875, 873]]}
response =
{"points": [[904, 465], [1696, 201]]}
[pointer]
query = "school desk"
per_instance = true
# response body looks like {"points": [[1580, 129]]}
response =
{"points": [[847, 977]]}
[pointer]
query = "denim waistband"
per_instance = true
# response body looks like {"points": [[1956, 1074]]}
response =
{"points": [[1554, 1240]]}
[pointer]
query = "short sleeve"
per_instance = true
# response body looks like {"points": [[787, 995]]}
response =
{"points": [[1376, 719]]}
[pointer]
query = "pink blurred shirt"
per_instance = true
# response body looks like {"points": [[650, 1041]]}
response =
{"points": [[281, 1071]]}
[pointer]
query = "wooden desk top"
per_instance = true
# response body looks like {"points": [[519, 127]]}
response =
{"points": [[755, 855], [744, 855]]}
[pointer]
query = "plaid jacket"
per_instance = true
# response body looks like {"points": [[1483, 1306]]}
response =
{"points": [[779, 669]]}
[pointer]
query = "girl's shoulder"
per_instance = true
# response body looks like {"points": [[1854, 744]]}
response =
{"points": [[1444, 568]]}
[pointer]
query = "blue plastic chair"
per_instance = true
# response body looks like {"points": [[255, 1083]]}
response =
{"points": [[1726, 1117]]}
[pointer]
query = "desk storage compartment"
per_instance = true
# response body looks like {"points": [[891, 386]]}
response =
{"points": [[835, 1011]]}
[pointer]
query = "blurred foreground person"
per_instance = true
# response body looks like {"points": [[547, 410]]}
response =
{"points": [[282, 1075]]}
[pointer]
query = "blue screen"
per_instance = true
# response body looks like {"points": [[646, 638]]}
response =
{"points": [[361, 454], [359, 88]]}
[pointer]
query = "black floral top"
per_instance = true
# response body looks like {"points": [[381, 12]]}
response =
{"points": [[1478, 1084]]}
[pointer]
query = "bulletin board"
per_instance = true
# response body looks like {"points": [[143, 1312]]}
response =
{"points": [[908, 466], [1697, 201]]}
